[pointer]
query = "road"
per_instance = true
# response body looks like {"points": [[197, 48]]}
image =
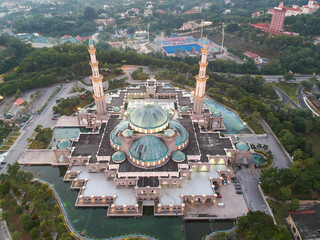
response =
{"points": [[285, 97], [44, 119], [300, 98], [249, 179], [275, 78]]}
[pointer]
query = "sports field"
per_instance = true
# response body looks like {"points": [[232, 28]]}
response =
{"points": [[181, 48]]}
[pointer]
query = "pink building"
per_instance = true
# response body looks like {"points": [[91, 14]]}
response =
{"points": [[278, 16]]}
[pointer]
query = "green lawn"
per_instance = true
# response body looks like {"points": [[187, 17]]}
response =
{"points": [[290, 89], [279, 212]]}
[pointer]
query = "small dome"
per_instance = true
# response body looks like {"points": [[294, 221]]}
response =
{"points": [[127, 133], [148, 118], [118, 157], [216, 114], [83, 110], [129, 111], [169, 132], [114, 138], [64, 144], [178, 156], [170, 111], [151, 88], [242, 146], [148, 149], [183, 134], [184, 109], [117, 109]]}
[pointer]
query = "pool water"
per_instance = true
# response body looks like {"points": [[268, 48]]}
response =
{"points": [[67, 133], [257, 159], [233, 123]]}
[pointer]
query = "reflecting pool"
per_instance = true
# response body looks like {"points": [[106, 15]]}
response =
{"points": [[93, 221], [231, 120]]}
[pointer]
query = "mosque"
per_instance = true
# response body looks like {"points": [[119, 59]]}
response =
{"points": [[151, 145]]}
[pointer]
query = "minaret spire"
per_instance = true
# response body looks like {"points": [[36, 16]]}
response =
{"points": [[96, 78], [201, 78]]}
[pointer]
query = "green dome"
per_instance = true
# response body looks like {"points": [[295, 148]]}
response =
{"points": [[148, 117], [129, 110], [178, 156], [151, 88], [83, 110], [148, 149], [117, 109], [216, 114], [64, 143], [183, 134], [184, 109], [242, 146], [169, 132], [127, 133], [118, 157], [114, 138]]}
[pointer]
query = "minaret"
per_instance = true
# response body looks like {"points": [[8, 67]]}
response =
{"points": [[201, 81], [96, 78]]}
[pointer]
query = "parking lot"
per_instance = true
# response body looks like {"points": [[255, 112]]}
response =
{"points": [[249, 181]]}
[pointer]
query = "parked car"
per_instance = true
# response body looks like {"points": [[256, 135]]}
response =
{"points": [[1, 166], [238, 188], [218, 193], [247, 165], [239, 166], [216, 188], [235, 180], [236, 184], [3, 162], [224, 182], [221, 204], [219, 196], [238, 192]]}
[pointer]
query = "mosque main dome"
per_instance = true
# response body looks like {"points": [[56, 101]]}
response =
{"points": [[149, 118], [148, 151]]}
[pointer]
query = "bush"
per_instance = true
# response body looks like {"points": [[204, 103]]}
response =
{"points": [[4, 188], [18, 209], [28, 224], [34, 233]]}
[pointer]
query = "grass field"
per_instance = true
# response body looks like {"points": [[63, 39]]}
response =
{"points": [[290, 89]]}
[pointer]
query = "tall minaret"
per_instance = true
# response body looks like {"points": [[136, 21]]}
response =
{"points": [[201, 81], [96, 79]]}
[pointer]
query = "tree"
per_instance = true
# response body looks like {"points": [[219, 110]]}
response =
{"points": [[285, 194], [295, 203], [4, 187], [28, 224], [288, 76], [16, 235], [89, 14], [34, 233], [6, 215], [18, 209]]}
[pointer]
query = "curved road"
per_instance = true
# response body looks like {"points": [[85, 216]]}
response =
{"points": [[300, 98], [285, 97]]}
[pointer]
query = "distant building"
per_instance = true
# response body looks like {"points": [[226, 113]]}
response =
{"points": [[257, 59], [191, 25], [18, 102], [257, 13], [81, 39], [192, 11], [276, 26], [278, 16]]}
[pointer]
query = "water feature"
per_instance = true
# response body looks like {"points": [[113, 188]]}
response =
{"points": [[257, 159], [231, 120], [93, 221], [197, 230], [242, 146]]}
